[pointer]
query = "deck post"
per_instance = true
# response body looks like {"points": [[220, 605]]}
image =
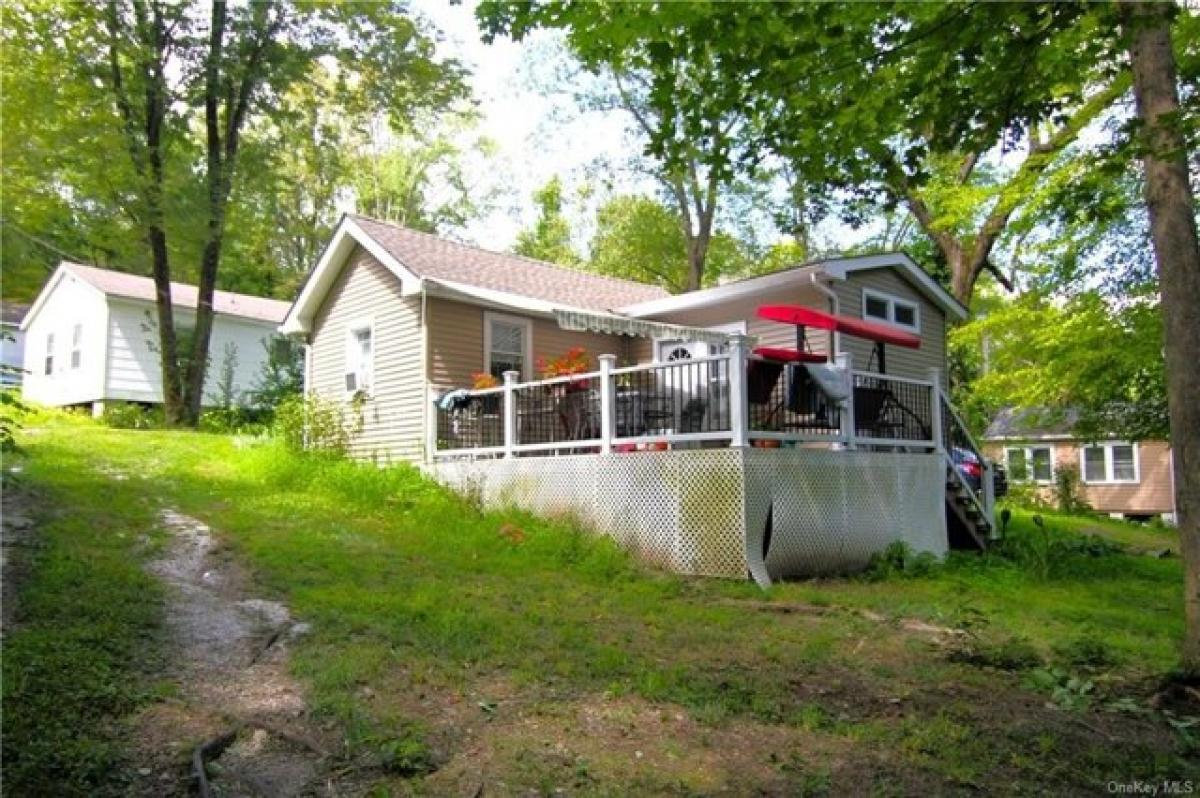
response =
{"points": [[510, 412], [431, 423], [607, 402], [989, 495], [845, 362], [739, 398], [939, 440]]}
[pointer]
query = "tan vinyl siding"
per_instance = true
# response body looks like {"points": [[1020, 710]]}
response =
{"points": [[456, 342], [1150, 495], [912, 363], [393, 418], [766, 333]]}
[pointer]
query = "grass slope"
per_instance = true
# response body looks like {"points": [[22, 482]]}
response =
{"points": [[457, 647]]}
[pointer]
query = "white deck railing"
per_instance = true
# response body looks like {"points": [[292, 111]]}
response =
{"points": [[733, 398]]}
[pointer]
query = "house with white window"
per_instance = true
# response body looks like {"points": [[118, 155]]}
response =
{"points": [[91, 337], [789, 423], [12, 344], [1126, 479]]}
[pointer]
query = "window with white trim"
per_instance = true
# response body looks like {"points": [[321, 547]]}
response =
{"points": [[507, 344], [76, 346], [360, 358], [878, 306], [1030, 464], [1109, 462], [48, 366]]}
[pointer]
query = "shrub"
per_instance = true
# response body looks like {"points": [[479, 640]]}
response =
{"points": [[1005, 654], [898, 560], [129, 415], [12, 411], [312, 424], [1067, 494], [1088, 654], [241, 420]]}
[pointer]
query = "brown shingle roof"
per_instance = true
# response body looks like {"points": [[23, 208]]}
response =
{"points": [[427, 255], [133, 286]]}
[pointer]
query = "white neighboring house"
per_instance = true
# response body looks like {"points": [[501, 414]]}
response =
{"points": [[12, 344], [92, 337]]}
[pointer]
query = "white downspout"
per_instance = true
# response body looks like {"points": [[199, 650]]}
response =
{"points": [[835, 337]]}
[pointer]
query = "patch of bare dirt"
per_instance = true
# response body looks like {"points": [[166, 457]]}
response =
{"points": [[228, 658], [18, 540]]}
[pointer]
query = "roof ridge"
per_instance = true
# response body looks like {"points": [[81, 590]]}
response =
{"points": [[76, 264], [526, 258]]}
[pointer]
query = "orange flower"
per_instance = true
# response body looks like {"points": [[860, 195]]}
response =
{"points": [[481, 381]]}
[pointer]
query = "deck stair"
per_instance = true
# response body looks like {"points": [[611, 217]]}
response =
{"points": [[969, 510]]}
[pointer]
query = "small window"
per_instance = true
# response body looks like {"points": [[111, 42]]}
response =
{"points": [[878, 306], [49, 364], [76, 346], [508, 340], [1029, 463], [1110, 462], [360, 359], [1095, 469]]}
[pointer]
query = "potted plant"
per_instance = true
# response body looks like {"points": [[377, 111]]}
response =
{"points": [[482, 381]]}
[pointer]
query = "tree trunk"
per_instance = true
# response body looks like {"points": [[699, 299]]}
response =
{"points": [[1173, 228], [217, 195]]}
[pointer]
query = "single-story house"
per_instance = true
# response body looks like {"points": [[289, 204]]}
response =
{"points": [[1126, 479], [12, 344], [632, 391], [92, 338]]}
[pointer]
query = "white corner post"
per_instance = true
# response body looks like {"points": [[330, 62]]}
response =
{"points": [[510, 411], [431, 425], [608, 402], [739, 396], [845, 362], [939, 434]]}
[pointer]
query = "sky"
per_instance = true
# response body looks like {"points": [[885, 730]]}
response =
{"points": [[534, 140]]}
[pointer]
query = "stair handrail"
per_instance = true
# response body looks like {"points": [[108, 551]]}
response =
{"points": [[962, 425]]}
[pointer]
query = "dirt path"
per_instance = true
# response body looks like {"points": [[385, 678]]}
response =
{"points": [[18, 538], [228, 657]]}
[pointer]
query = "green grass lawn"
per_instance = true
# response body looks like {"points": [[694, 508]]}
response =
{"points": [[456, 646]]}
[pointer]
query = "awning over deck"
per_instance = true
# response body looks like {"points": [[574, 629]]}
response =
{"points": [[612, 324]]}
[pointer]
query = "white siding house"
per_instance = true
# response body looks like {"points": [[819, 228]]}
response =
{"points": [[92, 337], [12, 345]]}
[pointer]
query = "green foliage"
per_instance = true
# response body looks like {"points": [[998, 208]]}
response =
{"points": [[88, 618], [1004, 653], [1068, 691], [898, 560], [237, 419], [281, 375], [1087, 653], [12, 412], [1089, 354], [312, 424], [550, 237], [1068, 494], [639, 238], [131, 415]]}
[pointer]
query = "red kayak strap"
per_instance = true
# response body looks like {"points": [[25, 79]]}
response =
{"points": [[788, 355]]}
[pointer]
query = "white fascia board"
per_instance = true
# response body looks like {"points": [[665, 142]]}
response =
{"points": [[473, 294], [345, 237], [722, 293], [49, 288], [840, 267]]}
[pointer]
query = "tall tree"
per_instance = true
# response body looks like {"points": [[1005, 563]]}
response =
{"points": [[550, 237], [175, 86], [639, 238], [1173, 229]]}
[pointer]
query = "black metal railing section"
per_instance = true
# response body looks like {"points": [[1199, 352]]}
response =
{"points": [[471, 421], [567, 410], [681, 397], [783, 397], [892, 409]]}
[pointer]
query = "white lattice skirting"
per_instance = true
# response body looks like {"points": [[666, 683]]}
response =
{"points": [[766, 513]]}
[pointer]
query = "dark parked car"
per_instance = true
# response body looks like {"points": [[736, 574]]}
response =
{"points": [[971, 469]]}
